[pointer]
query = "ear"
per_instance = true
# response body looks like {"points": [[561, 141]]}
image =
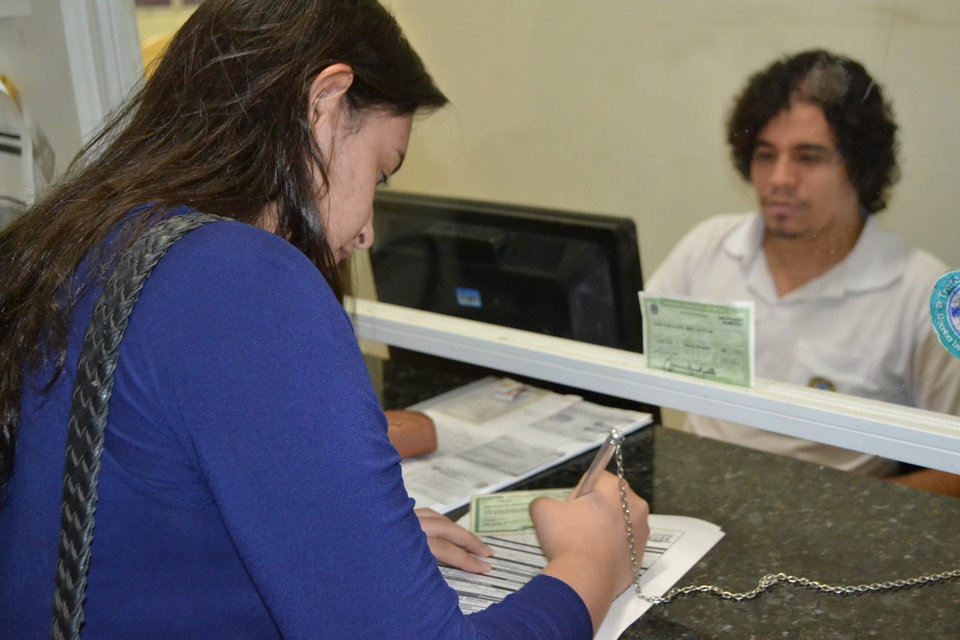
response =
{"points": [[326, 94]]}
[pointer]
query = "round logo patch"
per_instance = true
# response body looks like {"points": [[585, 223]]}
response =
{"points": [[945, 311], [821, 383]]}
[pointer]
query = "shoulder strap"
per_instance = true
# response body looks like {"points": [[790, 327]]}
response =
{"points": [[88, 415]]}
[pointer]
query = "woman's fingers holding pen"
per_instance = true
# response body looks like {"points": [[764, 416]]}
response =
{"points": [[452, 544], [639, 514], [592, 526], [608, 489]]}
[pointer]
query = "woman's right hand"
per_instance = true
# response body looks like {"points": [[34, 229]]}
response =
{"points": [[585, 540]]}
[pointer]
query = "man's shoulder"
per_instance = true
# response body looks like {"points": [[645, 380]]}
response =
{"points": [[720, 224], [923, 267], [718, 230], [923, 260], [733, 236], [720, 240], [913, 263]]}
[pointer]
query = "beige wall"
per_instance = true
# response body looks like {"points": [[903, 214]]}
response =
{"points": [[617, 106]]}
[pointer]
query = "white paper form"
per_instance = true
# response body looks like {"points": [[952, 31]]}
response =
{"points": [[495, 432], [676, 543]]}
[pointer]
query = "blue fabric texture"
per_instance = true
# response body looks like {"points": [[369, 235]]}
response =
{"points": [[248, 487]]}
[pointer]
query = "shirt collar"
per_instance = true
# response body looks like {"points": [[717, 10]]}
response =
{"points": [[744, 240], [876, 261]]}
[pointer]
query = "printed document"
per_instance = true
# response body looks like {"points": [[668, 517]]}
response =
{"points": [[494, 432], [676, 543]]}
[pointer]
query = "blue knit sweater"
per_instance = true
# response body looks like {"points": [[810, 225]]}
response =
{"points": [[248, 487]]}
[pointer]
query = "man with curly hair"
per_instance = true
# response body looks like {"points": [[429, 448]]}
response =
{"points": [[840, 304]]}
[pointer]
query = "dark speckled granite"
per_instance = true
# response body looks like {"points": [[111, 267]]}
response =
{"points": [[779, 515], [784, 515]]}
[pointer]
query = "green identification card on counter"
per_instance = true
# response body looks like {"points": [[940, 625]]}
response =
{"points": [[706, 340], [507, 512]]}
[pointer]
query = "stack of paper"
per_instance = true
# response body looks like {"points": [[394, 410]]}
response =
{"points": [[495, 432]]}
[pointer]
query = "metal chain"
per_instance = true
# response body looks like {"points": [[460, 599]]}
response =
{"points": [[634, 563], [766, 582], [770, 580]]}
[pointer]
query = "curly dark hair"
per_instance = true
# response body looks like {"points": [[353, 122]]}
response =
{"points": [[852, 102]]}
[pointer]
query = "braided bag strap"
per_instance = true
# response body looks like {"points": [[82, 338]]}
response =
{"points": [[88, 415]]}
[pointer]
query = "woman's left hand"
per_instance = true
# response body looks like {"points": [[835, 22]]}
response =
{"points": [[452, 544]]}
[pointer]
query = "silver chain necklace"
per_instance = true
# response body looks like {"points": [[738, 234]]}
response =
{"points": [[767, 581]]}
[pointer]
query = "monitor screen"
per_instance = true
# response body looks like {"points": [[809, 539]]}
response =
{"points": [[572, 275]]}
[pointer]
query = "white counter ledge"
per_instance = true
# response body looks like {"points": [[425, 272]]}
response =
{"points": [[901, 433]]}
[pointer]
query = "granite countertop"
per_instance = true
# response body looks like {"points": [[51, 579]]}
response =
{"points": [[779, 515], [783, 515]]}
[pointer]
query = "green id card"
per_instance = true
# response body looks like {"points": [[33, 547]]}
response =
{"points": [[507, 512], [705, 340]]}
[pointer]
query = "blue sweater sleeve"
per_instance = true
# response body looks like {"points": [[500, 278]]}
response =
{"points": [[267, 397]]}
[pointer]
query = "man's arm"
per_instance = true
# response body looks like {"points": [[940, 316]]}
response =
{"points": [[931, 480], [936, 387], [936, 378]]}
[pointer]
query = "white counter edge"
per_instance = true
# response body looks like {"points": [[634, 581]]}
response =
{"points": [[892, 431]]}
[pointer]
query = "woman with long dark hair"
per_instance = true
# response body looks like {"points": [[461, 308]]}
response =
{"points": [[248, 488]]}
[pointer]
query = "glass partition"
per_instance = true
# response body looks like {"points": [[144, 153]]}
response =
{"points": [[619, 108]]}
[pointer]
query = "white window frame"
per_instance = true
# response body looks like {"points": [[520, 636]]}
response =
{"points": [[106, 62], [901, 433]]}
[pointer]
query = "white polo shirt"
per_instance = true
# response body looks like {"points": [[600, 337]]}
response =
{"points": [[863, 328]]}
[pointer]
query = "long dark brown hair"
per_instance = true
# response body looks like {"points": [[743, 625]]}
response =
{"points": [[220, 126]]}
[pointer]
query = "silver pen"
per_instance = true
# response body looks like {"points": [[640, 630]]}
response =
{"points": [[600, 462]]}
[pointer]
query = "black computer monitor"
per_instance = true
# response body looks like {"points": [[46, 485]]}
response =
{"points": [[572, 275]]}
